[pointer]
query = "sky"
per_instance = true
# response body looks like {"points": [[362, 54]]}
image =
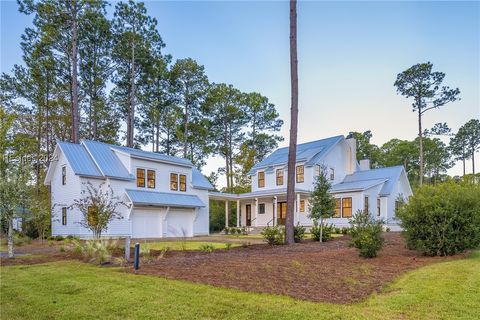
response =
{"points": [[349, 54]]}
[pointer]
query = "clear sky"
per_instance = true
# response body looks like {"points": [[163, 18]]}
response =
{"points": [[349, 56]]}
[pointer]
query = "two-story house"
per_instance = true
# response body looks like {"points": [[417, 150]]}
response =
{"points": [[166, 196], [354, 185]]}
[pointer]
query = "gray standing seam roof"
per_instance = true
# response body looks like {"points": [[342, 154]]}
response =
{"points": [[390, 174], [152, 198], [105, 158], [79, 159]]}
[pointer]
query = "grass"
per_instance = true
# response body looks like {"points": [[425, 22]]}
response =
{"points": [[186, 245], [73, 290]]}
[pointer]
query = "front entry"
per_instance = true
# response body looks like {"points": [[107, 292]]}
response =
{"points": [[281, 213], [248, 215]]}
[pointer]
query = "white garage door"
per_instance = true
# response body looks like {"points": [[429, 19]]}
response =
{"points": [[146, 223], [180, 223]]}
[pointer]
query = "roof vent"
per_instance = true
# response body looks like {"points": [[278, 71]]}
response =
{"points": [[365, 164]]}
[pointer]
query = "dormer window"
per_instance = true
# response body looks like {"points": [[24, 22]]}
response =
{"points": [[64, 175], [332, 174], [300, 174], [173, 181], [183, 182], [178, 182], [140, 178], [151, 179], [279, 177], [261, 179]]}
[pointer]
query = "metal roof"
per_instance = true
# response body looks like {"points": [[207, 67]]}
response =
{"points": [[153, 155], [79, 159], [310, 153], [199, 181], [356, 185], [390, 174], [105, 158], [151, 198]]}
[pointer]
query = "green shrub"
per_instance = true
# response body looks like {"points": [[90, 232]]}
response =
{"points": [[299, 233], [326, 232], [442, 219], [226, 230], [244, 231], [19, 239], [367, 234], [274, 235], [228, 245], [96, 251], [344, 231], [207, 247], [338, 230], [59, 238]]}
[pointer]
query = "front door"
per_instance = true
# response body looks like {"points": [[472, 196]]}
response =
{"points": [[248, 215], [281, 213]]}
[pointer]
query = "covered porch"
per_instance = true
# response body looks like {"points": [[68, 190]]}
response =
{"points": [[263, 208]]}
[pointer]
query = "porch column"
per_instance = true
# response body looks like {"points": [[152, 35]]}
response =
{"points": [[274, 211], [238, 213], [226, 213], [256, 213]]}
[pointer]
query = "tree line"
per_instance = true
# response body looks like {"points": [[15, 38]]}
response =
{"points": [[87, 76]]}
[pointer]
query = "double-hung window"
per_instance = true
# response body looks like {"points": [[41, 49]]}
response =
{"points": [[261, 179], [151, 179], [300, 174], [346, 207], [140, 178], [279, 177]]}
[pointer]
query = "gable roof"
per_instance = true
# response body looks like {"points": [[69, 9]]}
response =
{"points": [[390, 175], [310, 153], [152, 198], [356, 185], [98, 160], [79, 159]]}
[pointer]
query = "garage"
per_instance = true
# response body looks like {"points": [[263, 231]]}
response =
{"points": [[179, 223], [147, 223]]}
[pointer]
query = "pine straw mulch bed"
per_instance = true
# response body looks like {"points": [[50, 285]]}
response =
{"points": [[327, 272]]}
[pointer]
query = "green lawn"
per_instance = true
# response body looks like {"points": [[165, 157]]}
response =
{"points": [[73, 290], [186, 245]]}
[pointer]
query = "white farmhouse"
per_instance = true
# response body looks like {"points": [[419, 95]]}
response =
{"points": [[167, 196], [354, 185]]}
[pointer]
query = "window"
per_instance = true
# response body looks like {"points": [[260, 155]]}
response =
{"points": [[64, 216], [183, 182], [302, 205], [317, 170], [92, 216], [338, 208], [365, 205], [141, 178], [398, 206], [151, 179], [346, 207], [173, 181], [332, 174], [261, 208], [300, 176], [378, 207], [261, 179], [64, 175], [279, 177]]}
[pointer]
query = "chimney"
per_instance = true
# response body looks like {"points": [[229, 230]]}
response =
{"points": [[352, 143], [365, 164]]}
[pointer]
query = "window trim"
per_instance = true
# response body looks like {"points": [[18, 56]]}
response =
{"points": [[64, 175], [277, 177], [64, 216], [153, 179], [262, 173], [138, 178], [379, 207], [332, 174], [366, 204], [301, 207], [298, 175], [338, 208], [345, 207]]}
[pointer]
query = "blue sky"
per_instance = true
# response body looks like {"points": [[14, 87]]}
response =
{"points": [[349, 56]]}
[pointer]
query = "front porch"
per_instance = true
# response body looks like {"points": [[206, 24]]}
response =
{"points": [[262, 209]]}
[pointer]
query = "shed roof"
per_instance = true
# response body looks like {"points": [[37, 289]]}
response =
{"points": [[151, 198], [389, 174]]}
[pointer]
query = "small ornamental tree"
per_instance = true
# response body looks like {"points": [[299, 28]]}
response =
{"points": [[98, 207], [322, 203], [367, 234]]}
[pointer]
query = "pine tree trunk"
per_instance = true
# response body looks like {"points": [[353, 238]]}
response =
{"points": [[10, 238], [321, 229], [185, 138], [473, 161], [75, 109], [289, 234], [420, 138], [131, 109]]}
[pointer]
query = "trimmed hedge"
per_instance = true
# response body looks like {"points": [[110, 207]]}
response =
{"points": [[443, 219]]}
